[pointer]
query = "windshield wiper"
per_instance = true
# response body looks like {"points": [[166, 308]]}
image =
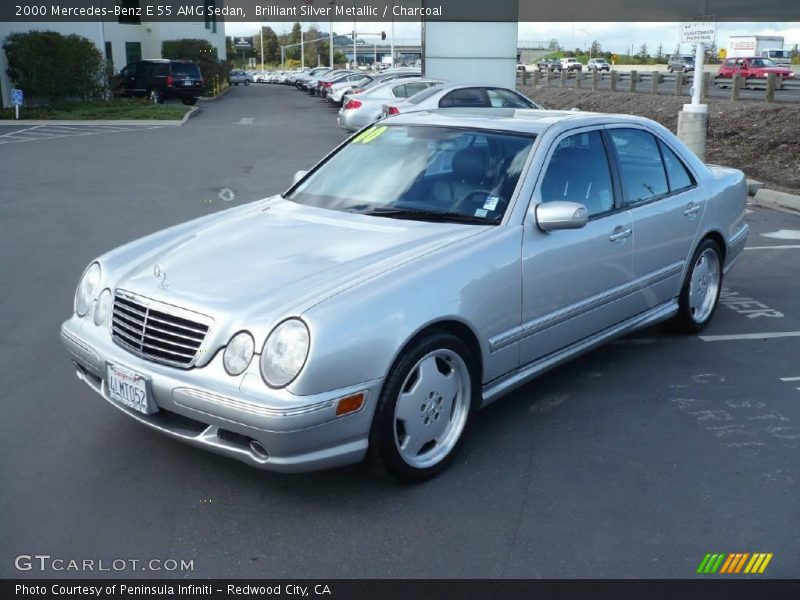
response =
{"points": [[427, 215]]}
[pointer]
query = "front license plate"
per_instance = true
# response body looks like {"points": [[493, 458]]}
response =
{"points": [[128, 388]]}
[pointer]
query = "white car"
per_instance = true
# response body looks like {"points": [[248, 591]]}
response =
{"points": [[359, 110]]}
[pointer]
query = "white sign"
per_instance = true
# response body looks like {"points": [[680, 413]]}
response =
{"points": [[700, 29]]}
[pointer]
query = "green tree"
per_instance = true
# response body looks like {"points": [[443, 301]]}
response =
{"points": [[660, 53], [595, 49], [294, 38], [46, 64], [198, 51], [642, 55], [553, 45]]}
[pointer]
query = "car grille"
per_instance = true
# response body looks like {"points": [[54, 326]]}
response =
{"points": [[157, 331]]}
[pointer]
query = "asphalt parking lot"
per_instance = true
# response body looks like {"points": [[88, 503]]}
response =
{"points": [[633, 461]]}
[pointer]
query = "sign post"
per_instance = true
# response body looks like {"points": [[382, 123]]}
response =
{"points": [[693, 119], [16, 99]]}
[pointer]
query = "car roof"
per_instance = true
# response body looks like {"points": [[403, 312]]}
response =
{"points": [[528, 120]]}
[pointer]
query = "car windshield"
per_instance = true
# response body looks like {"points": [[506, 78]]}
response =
{"points": [[762, 62], [420, 172]]}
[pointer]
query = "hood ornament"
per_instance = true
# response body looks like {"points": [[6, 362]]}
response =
{"points": [[161, 275]]}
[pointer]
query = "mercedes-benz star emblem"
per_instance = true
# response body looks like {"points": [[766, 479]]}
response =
{"points": [[161, 275]]}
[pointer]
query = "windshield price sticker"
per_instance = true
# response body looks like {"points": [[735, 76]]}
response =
{"points": [[370, 134]]}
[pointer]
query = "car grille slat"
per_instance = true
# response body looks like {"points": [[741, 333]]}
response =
{"points": [[157, 331]]}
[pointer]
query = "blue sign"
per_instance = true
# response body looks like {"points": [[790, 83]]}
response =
{"points": [[16, 97]]}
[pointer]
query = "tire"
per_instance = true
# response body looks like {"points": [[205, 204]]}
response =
{"points": [[669, 68], [416, 431], [699, 295], [246, 82], [189, 101], [154, 95]]}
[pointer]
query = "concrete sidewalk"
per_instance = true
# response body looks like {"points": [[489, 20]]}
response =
{"points": [[125, 122]]}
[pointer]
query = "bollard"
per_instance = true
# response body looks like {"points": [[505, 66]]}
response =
{"points": [[563, 78], [678, 84], [578, 79], [632, 83], [769, 93], [547, 79], [614, 78], [707, 81], [693, 127], [536, 78], [654, 82], [595, 77], [736, 86], [524, 76]]}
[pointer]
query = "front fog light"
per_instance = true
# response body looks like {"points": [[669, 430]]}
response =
{"points": [[102, 307], [87, 289], [238, 353]]}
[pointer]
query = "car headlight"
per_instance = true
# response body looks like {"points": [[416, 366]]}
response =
{"points": [[87, 289], [102, 307], [285, 353], [238, 353]]}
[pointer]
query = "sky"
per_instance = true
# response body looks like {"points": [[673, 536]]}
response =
{"points": [[613, 37]]}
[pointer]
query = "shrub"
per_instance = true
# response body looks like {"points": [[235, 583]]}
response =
{"points": [[49, 65], [198, 51]]}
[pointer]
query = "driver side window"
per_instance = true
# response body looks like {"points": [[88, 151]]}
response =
{"points": [[578, 172]]}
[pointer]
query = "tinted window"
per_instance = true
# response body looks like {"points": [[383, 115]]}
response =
{"points": [[464, 97], [187, 70], [640, 165], [507, 99], [412, 89], [578, 172], [677, 173], [161, 70]]}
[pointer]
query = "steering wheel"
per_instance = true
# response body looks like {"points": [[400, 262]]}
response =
{"points": [[468, 203]]}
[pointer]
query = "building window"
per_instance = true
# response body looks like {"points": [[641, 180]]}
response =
{"points": [[131, 12], [109, 56], [133, 52], [211, 20]]}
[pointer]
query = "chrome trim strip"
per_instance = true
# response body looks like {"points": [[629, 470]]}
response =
{"points": [[574, 310], [249, 407], [495, 389]]}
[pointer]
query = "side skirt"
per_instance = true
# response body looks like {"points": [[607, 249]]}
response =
{"points": [[499, 387]]}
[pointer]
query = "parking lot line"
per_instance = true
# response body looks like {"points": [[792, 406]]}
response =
{"points": [[783, 247], [790, 378], [749, 336]]}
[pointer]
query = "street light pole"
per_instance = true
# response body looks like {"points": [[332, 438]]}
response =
{"points": [[589, 35], [392, 42], [262, 45], [302, 50], [330, 35]]}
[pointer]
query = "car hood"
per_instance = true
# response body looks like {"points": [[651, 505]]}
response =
{"points": [[277, 257]]}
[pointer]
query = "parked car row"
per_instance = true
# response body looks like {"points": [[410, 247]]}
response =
{"points": [[365, 98]]}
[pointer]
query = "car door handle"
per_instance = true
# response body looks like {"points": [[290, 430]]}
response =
{"points": [[692, 209], [620, 234]]}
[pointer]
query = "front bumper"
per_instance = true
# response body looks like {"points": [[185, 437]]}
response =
{"points": [[239, 417]]}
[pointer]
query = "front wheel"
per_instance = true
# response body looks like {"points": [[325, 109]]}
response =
{"points": [[669, 69], [155, 96], [424, 409], [700, 292], [246, 82]]}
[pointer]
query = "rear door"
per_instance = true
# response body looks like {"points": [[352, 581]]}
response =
{"points": [[666, 205], [140, 78]]}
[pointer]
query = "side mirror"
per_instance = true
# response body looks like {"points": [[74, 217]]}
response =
{"points": [[298, 176], [551, 216]]}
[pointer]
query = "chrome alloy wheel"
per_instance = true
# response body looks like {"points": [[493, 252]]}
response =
{"points": [[432, 409], [704, 285]]}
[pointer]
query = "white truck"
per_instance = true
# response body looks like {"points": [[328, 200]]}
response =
{"points": [[765, 46]]}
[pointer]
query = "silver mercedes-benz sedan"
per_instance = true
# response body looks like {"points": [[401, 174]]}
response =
{"points": [[424, 268]]}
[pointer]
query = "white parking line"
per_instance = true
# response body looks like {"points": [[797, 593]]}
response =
{"points": [[790, 378], [246, 121], [50, 132], [749, 336], [784, 247]]}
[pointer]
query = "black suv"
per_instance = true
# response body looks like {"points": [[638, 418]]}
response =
{"points": [[159, 79]]}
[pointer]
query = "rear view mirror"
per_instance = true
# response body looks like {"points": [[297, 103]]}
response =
{"points": [[298, 176], [551, 216]]}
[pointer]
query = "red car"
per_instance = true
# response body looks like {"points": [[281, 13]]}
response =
{"points": [[752, 66]]}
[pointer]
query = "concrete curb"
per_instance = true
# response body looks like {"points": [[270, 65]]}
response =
{"points": [[779, 200], [217, 97], [753, 186], [126, 122]]}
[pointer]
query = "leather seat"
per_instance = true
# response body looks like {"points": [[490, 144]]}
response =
{"points": [[470, 172]]}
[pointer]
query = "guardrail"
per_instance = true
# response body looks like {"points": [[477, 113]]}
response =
{"points": [[629, 81]]}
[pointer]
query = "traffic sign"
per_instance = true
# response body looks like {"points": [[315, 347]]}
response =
{"points": [[700, 29], [16, 97]]}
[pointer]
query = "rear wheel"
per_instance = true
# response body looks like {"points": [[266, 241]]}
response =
{"points": [[190, 101], [424, 409], [669, 68], [155, 96], [247, 82], [700, 292]]}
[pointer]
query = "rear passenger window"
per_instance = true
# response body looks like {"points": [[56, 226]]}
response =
{"points": [[500, 98], [578, 172], [677, 173], [465, 97], [641, 169]]}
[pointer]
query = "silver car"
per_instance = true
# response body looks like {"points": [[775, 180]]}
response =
{"points": [[459, 95], [239, 77], [420, 271], [359, 110]]}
